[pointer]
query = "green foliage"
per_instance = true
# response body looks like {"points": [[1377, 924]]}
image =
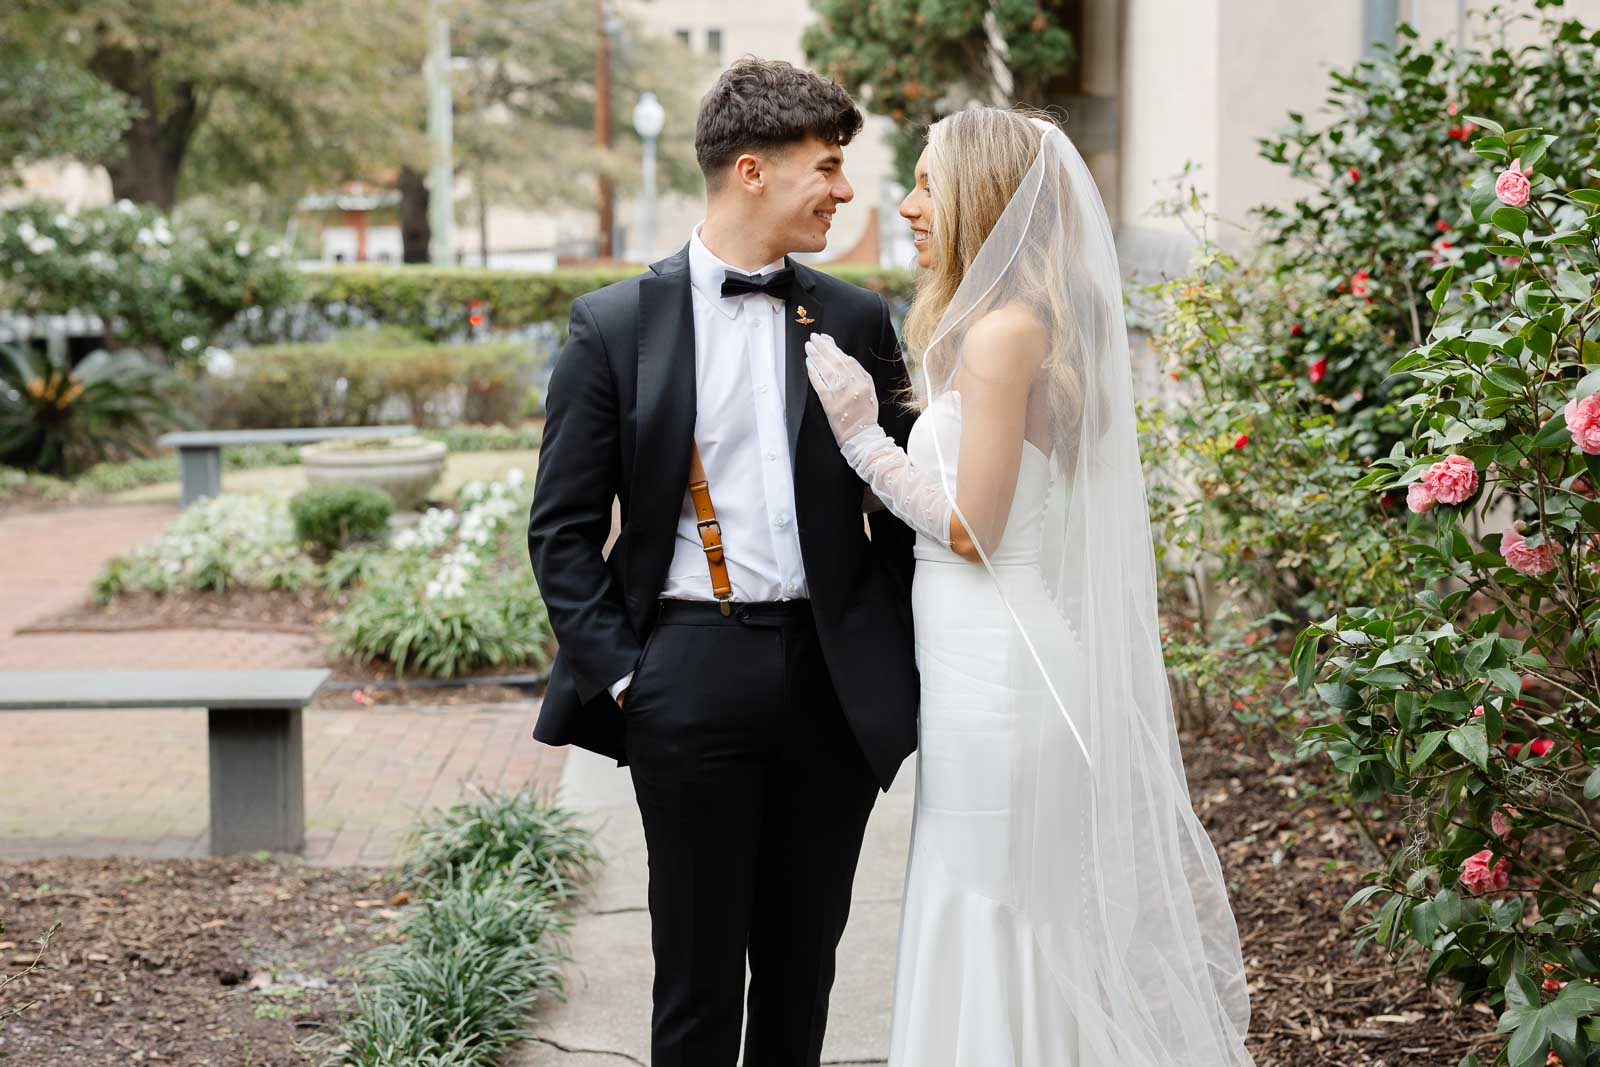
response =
{"points": [[912, 59], [1251, 468], [482, 944], [1400, 189], [332, 517], [437, 302], [1475, 706], [451, 599], [56, 418], [520, 835], [347, 381], [157, 285], [50, 109]]}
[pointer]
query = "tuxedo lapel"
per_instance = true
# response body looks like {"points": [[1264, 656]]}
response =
{"points": [[664, 427], [804, 318]]}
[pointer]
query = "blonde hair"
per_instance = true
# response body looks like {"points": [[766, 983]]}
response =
{"points": [[977, 159]]}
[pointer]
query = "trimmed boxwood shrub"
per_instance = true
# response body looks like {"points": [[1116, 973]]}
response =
{"points": [[334, 516], [438, 302]]}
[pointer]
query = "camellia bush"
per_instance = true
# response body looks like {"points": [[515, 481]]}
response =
{"points": [[1471, 711], [1394, 172]]}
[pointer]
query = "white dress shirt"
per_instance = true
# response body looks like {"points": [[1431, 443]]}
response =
{"points": [[739, 363]]}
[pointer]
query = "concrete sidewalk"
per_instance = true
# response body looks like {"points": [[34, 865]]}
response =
{"points": [[606, 1020]]}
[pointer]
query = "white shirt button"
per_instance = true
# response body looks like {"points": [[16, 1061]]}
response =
{"points": [[761, 389], [783, 520], [771, 454]]}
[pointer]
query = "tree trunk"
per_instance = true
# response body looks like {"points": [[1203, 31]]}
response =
{"points": [[156, 141], [415, 233]]}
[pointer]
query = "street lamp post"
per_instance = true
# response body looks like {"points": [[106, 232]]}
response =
{"points": [[441, 171], [648, 119]]}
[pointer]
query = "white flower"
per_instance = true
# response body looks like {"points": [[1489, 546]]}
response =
{"points": [[26, 231], [41, 245], [242, 248], [127, 207], [514, 477], [231, 227]]}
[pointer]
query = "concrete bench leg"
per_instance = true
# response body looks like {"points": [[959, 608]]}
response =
{"points": [[201, 472], [257, 780]]}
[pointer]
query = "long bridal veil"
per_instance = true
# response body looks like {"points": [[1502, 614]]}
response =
{"points": [[1111, 869]]}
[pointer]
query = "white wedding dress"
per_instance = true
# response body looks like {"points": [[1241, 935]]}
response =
{"points": [[970, 988], [1064, 906]]}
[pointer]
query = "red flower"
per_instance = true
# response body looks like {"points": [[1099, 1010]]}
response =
{"points": [[1358, 283], [1513, 749], [1296, 330], [1355, 175], [475, 320], [1460, 133], [1444, 227], [1242, 440], [1541, 746], [1318, 369]]}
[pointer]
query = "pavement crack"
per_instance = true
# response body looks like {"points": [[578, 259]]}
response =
{"points": [[589, 1051], [618, 911]]}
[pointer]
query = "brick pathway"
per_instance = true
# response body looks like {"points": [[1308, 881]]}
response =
{"points": [[134, 782]]}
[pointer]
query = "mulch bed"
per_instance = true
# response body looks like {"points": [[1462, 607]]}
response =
{"points": [[232, 960], [194, 962], [1292, 862]]}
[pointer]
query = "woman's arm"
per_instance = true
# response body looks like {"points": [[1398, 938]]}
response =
{"points": [[1002, 354]]}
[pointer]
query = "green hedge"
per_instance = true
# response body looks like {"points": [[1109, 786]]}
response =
{"points": [[434, 300], [347, 380]]}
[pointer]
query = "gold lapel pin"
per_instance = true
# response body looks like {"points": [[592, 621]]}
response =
{"points": [[801, 317]]}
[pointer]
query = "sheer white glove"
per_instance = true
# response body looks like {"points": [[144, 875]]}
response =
{"points": [[916, 497]]}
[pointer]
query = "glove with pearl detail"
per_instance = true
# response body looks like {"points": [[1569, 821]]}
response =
{"points": [[849, 397]]}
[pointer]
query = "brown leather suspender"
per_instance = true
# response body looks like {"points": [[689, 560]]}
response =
{"points": [[710, 532]]}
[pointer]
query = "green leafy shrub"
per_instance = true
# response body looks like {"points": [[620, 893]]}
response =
{"points": [[157, 284], [450, 598], [57, 418], [440, 302], [332, 517], [482, 945], [1393, 173], [1472, 711], [349, 380], [1252, 473]]}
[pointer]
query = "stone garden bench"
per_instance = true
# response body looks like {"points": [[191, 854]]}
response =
{"points": [[200, 451], [254, 736]]}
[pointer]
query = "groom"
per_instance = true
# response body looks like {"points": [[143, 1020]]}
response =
{"points": [[744, 648]]}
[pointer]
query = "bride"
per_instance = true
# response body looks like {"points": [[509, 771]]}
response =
{"points": [[1063, 906]]}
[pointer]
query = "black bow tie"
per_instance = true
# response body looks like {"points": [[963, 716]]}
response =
{"points": [[777, 284]]}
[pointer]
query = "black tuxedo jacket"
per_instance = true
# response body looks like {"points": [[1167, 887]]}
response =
{"points": [[621, 415]]}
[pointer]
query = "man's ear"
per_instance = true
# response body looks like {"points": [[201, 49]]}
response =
{"points": [[749, 172]]}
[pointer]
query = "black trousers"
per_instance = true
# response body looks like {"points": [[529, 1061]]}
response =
{"points": [[755, 797]]}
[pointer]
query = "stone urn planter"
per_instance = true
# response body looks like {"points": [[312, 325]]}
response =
{"points": [[404, 467]]}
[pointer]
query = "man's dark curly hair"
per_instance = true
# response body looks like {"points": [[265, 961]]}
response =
{"points": [[760, 105]]}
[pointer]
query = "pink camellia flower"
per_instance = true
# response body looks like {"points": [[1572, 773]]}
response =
{"points": [[1452, 479], [1318, 369], [1512, 187], [1500, 821], [1510, 262], [1418, 498], [1541, 746], [1478, 710], [1358, 283], [1525, 560], [1583, 422], [1481, 873]]}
